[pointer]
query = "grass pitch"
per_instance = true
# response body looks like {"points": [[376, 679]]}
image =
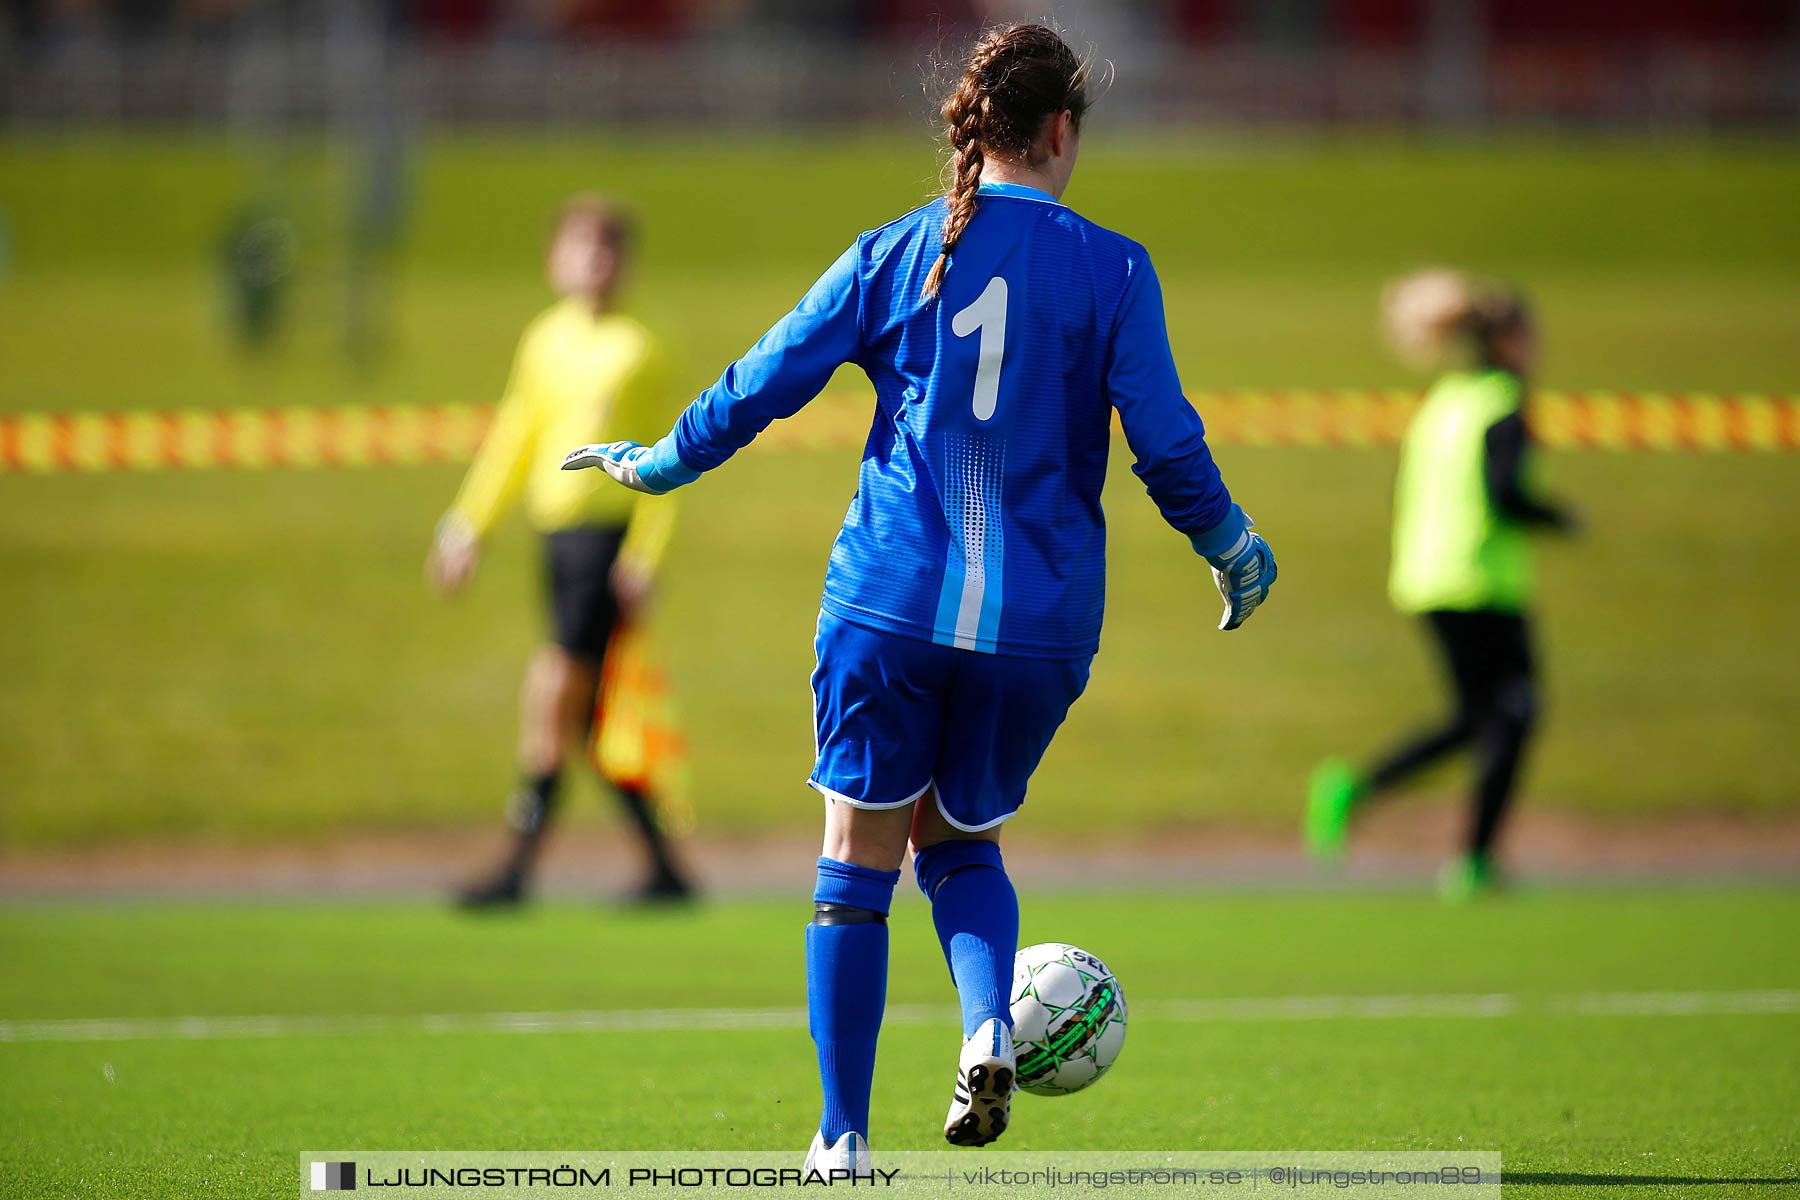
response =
{"points": [[255, 656], [1620, 1043]]}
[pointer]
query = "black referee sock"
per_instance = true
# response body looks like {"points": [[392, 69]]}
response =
{"points": [[529, 813], [643, 818]]}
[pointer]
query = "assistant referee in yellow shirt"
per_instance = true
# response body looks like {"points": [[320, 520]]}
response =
{"points": [[584, 372]]}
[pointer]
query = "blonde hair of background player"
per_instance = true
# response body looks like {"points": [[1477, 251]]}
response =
{"points": [[1438, 319]]}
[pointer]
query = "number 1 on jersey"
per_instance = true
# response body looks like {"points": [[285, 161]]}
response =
{"points": [[988, 314]]}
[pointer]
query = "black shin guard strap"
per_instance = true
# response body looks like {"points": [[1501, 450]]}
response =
{"points": [[845, 914]]}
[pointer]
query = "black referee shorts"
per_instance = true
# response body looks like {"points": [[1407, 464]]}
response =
{"points": [[578, 582]]}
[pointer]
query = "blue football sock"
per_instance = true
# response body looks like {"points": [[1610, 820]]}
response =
{"points": [[976, 913], [846, 987]]}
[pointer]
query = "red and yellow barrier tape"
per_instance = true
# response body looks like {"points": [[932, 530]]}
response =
{"points": [[355, 435], [1560, 420], [243, 438]]}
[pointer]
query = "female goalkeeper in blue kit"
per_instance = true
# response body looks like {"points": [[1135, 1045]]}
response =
{"points": [[963, 598]]}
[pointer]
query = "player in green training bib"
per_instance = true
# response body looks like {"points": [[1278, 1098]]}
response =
{"points": [[1465, 507]]}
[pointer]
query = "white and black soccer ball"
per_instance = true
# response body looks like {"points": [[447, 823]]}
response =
{"points": [[1068, 1016]]}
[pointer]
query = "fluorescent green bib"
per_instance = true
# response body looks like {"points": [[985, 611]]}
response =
{"points": [[1452, 550]]}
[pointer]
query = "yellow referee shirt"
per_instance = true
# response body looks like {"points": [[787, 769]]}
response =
{"points": [[577, 378]]}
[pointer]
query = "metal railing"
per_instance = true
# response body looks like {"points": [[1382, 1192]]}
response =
{"points": [[321, 76]]}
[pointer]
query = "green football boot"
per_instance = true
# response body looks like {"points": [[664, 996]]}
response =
{"points": [[1467, 877], [1333, 792]]}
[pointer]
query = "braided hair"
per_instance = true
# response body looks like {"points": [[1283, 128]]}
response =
{"points": [[1017, 78]]}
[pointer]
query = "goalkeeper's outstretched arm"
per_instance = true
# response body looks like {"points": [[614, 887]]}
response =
{"points": [[1168, 440]]}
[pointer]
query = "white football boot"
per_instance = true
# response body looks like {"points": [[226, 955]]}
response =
{"points": [[849, 1155], [984, 1087]]}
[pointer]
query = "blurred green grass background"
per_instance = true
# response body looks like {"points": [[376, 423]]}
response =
{"points": [[1669, 1103], [255, 655]]}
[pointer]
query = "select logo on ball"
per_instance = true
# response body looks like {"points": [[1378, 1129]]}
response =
{"points": [[1068, 1018]]}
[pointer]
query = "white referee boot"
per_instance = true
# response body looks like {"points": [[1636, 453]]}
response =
{"points": [[984, 1087], [849, 1156]]}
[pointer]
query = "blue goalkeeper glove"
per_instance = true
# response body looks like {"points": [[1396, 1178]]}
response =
{"points": [[654, 469], [1242, 564]]}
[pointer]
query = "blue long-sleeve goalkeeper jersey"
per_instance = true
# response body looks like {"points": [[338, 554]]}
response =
{"points": [[976, 521]]}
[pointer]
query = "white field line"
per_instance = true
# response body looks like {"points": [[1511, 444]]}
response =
{"points": [[1677, 1004], [681, 1020]]}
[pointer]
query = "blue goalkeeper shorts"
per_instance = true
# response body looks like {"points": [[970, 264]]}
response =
{"points": [[896, 715]]}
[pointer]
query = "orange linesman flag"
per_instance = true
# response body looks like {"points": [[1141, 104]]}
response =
{"points": [[636, 741]]}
